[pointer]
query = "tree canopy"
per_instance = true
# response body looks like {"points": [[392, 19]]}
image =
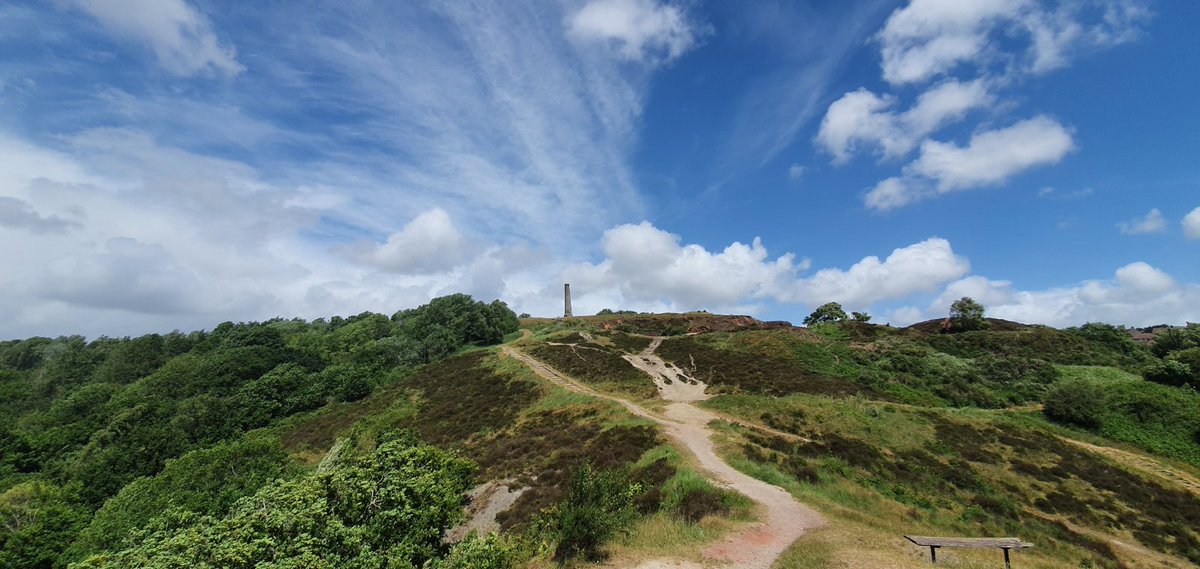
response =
{"points": [[967, 315], [828, 312]]}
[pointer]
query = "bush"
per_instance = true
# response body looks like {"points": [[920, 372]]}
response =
{"points": [[1169, 372], [1191, 357], [691, 497], [1075, 403], [491, 552], [600, 504], [1107, 335], [1158, 418], [1174, 340]]}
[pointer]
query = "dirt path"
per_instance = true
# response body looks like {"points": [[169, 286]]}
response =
{"points": [[756, 546]]}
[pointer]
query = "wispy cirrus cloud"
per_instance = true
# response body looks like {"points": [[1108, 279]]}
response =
{"points": [[423, 149], [181, 38]]}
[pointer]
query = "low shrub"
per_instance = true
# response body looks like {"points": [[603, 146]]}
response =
{"points": [[600, 504], [1169, 372]]}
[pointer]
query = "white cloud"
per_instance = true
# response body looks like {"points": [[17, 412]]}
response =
{"points": [[892, 193], [181, 37], [649, 264], [930, 37], [643, 30], [990, 158], [1055, 34], [902, 316], [864, 118], [919, 267], [1137, 295], [1152, 222], [15, 213], [429, 243], [795, 172], [1191, 224], [993, 156], [646, 268]]}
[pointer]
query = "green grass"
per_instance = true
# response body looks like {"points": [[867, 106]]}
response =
{"points": [[1096, 373], [806, 553], [961, 473]]}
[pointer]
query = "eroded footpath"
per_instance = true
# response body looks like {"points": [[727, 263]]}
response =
{"points": [[755, 546]]}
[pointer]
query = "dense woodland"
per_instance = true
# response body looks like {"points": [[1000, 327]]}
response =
{"points": [[118, 450]]}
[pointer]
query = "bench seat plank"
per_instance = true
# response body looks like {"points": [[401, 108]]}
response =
{"points": [[977, 542]]}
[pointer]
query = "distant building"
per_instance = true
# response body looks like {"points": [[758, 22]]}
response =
{"points": [[1141, 337], [1146, 335]]}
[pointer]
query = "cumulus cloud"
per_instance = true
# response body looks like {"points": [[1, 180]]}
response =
{"points": [[181, 38], [1138, 294], [648, 263], [646, 268], [429, 243], [993, 156], [1191, 224], [18, 214], [920, 267], [642, 30], [862, 118], [990, 158], [1152, 222], [998, 41], [928, 38]]}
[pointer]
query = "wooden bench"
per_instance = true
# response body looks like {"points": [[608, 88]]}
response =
{"points": [[933, 543]]}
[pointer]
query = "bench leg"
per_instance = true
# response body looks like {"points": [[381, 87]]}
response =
{"points": [[1007, 565], [933, 554]]}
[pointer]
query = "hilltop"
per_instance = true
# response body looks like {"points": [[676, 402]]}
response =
{"points": [[710, 439]]}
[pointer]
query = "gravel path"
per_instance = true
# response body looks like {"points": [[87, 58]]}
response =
{"points": [[755, 546]]}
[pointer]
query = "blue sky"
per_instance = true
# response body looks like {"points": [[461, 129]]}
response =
{"points": [[175, 163]]}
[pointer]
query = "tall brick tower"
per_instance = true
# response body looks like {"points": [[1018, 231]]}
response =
{"points": [[566, 300]]}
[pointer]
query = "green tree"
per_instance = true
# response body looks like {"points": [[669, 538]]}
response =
{"points": [[1191, 358], [1174, 340], [384, 510], [207, 482], [1113, 337], [860, 316], [36, 520], [828, 312], [967, 315]]}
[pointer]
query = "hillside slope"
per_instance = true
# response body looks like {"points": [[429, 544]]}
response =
{"points": [[684, 433]]}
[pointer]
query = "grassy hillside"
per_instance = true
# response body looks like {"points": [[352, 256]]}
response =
{"points": [[164, 447], [924, 433]]}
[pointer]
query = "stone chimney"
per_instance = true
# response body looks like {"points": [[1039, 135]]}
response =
{"points": [[567, 300]]}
